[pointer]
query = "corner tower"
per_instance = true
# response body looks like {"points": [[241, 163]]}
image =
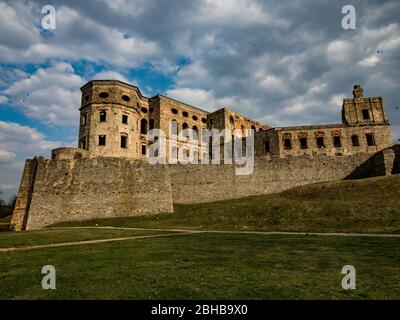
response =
{"points": [[111, 114], [361, 111]]}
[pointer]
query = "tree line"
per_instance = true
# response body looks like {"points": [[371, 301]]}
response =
{"points": [[6, 207]]}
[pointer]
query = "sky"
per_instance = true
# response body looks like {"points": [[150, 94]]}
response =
{"points": [[279, 62]]}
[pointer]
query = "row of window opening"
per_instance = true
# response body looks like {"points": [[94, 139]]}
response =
{"points": [[337, 141], [186, 114]]}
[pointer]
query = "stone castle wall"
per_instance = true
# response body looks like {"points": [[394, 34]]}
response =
{"points": [[205, 183], [71, 187], [54, 191]]}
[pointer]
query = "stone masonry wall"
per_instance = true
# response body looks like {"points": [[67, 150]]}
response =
{"points": [[57, 190], [205, 183], [22, 204], [89, 188]]}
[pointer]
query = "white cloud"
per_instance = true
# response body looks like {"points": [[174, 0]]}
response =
{"points": [[196, 97], [16, 30], [76, 37], [3, 99], [50, 95], [22, 139], [236, 13], [17, 143], [110, 75], [369, 62], [6, 156], [206, 100]]}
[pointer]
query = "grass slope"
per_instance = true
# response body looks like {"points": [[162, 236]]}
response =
{"points": [[365, 206], [225, 266], [209, 266]]}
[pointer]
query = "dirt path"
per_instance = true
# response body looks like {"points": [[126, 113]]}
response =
{"points": [[339, 234], [74, 243], [176, 232]]}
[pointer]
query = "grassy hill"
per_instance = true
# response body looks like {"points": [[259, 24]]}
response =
{"points": [[367, 206]]}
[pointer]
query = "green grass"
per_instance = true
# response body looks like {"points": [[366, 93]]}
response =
{"points": [[209, 266], [225, 266], [365, 206], [5, 223]]}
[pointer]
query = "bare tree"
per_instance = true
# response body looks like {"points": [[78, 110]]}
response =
{"points": [[2, 202], [12, 201]]}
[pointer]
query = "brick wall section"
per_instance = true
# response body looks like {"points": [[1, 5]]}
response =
{"points": [[89, 188]]}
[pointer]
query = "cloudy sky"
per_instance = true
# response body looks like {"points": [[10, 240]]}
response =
{"points": [[280, 62]]}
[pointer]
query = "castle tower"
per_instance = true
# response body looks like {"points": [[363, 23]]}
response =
{"points": [[113, 119], [361, 111]]}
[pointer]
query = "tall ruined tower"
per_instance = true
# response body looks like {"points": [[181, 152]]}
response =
{"points": [[361, 111], [113, 119]]}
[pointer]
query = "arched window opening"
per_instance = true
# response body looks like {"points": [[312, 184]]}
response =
{"points": [[174, 127], [143, 126], [196, 134]]}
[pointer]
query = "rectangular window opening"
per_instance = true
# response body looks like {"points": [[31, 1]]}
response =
{"points": [[370, 139], [303, 143], [320, 142], [288, 143], [267, 146], [355, 141], [337, 142], [124, 141], [84, 119], [102, 140], [103, 116], [365, 114]]}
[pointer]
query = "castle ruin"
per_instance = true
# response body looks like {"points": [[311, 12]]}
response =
{"points": [[108, 174]]}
